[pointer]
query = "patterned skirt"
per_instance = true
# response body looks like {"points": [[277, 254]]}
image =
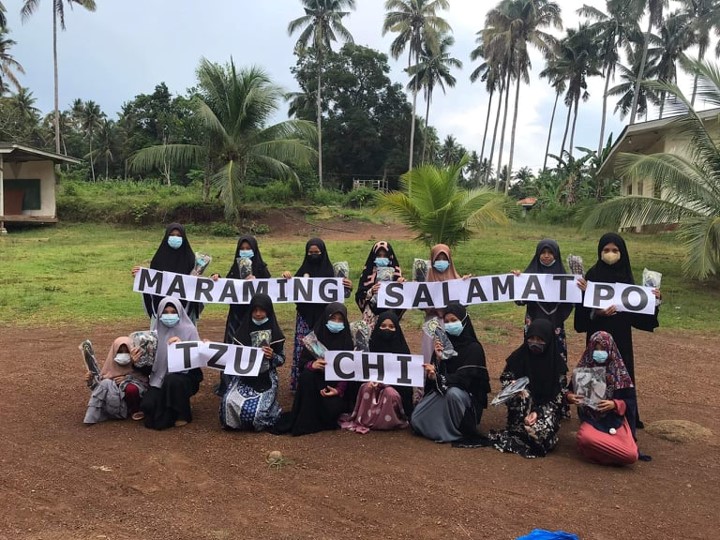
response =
{"points": [[244, 408], [301, 330]]}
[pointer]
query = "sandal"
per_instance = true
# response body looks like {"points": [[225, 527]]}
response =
{"points": [[137, 416]]}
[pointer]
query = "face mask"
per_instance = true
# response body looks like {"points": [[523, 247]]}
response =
{"points": [[610, 257], [441, 266], [335, 327], [246, 253], [547, 265], [260, 322], [536, 348], [122, 359], [175, 241], [315, 257], [382, 261], [169, 319], [600, 356], [385, 334], [454, 328]]}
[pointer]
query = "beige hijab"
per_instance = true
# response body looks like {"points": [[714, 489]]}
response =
{"points": [[450, 273], [112, 369]]}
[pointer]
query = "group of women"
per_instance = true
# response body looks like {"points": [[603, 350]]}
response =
{"points": [[450, 406]]}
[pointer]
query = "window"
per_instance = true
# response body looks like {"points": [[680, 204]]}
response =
{"points": [[640, 188], [629, 189], [30, 189]]}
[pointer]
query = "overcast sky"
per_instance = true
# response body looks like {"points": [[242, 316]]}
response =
{"points": [[127, 47]]}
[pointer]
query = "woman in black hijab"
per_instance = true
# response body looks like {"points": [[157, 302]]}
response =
{"points": [[318, 403], [379, 406], [380, 259], [251, 402], [613, 266], [316, 264], [533, 418], [456, 389], [174, 254]]}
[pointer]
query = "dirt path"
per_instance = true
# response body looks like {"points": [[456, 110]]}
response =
{"points": [[60, 479]]}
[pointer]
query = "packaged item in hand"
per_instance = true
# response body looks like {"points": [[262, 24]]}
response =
{"points": [[361, 335], [511, 390], [201, 263], [589, 383], [341, 269], [575, 263], [90, 363], [244, 267], [313, 345], [435, 330], [420, 269], [146, 341]]}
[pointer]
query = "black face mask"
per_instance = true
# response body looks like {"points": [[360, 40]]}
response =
{"points": [[536, 348], [315, 257], [386, 335]]}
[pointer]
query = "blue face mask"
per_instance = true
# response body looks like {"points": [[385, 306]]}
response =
{"points": [[260, 322], [175, 241], [548, 265], [382, 261], [246, 253], [169, 319], [441, 266], [600, 356], [335, 327], [454, 328]]}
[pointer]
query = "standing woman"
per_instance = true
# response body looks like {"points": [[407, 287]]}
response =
{"points": [[607, 434], [167, 402], [533, 416], [613, 266], [251, 402], [547, 260], [380, 406], [381, 256], [318, 403], [316, 264], [174, 254], [456, 389]]}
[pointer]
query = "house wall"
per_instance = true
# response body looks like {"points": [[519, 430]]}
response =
{"points": [[30, 170]]}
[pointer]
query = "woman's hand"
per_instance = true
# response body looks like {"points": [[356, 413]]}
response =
{"points": [[319, 364], [400, 280], [606, 405], [657, 294], [516, 272], [609, 312], [347, 283], [467, 276], [430, 371], [329, 391], [438, 348], [267, 349], [573, 399], [88, 376], [287, 275], [581, 283], [174, 339], [135, 270], [215, 276], [375, 288], [135, 354], [119, 379], [530, 419]]}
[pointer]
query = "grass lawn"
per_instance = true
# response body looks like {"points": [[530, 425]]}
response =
{"points": [[80, 274]]}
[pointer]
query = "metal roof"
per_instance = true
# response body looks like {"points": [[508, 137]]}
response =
{"points": [[18, 152]]}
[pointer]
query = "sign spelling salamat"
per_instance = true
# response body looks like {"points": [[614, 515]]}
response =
{"points": [[238, 291], [624, 297], [232, 359], [560, 288], [386, 368]]}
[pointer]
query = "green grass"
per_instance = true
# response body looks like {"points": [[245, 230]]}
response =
{"points": [[79, 274]]}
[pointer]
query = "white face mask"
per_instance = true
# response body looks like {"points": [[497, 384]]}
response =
{"points": [[122, 359]]}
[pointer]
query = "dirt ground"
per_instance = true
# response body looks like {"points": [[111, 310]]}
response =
{"points": [[60, 479]]}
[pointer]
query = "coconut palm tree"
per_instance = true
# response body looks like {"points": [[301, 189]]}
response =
{"points": [[626, 89], [8, 64], [3, 18], [490, 75], [234, 107], [434, 70], [690, 186], [321, 26], [558, 82], [29, 7], [438, 209], [704, 16], [91, 119], [417, 26]]}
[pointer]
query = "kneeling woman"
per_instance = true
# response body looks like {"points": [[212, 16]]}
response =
{"points": [[167, 402], [379, 406], [319, 403], [251, 402], [533, 418], [607, 435], [121, 385], [456, 389]]}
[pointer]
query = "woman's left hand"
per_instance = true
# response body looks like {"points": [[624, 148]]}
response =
{"points": [[174, 339], [267, 349], [530, 419], [347, 283], [657, 294], [581, 283], [329, 391], [606, 405], [467, 276], [135, 354], [119, 379]]}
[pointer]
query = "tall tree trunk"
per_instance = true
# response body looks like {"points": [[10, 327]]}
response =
{"points": [[319, 123], [425, 138], [57, 97], [572, 132], [92, 160], [695, 79], [512, 136], [487, 124], [412, 124], [502, 133], [662, 104], [601, 144], [552, 121], [567, 128], [107, 168], [495, 129], [641, 73]]}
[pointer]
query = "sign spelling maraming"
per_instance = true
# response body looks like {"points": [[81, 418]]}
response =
{"points": [[386, 368], [232, 359], [238, 291], [560, 288]]}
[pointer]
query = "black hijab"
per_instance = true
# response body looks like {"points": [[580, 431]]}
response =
{"points": [[167, 259], [259, 268], [467, 337], [368, 276], [536, 267], [544, 370], [342, 341], [620, 272], [396, 343], [320, 268], [247, 325]]}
